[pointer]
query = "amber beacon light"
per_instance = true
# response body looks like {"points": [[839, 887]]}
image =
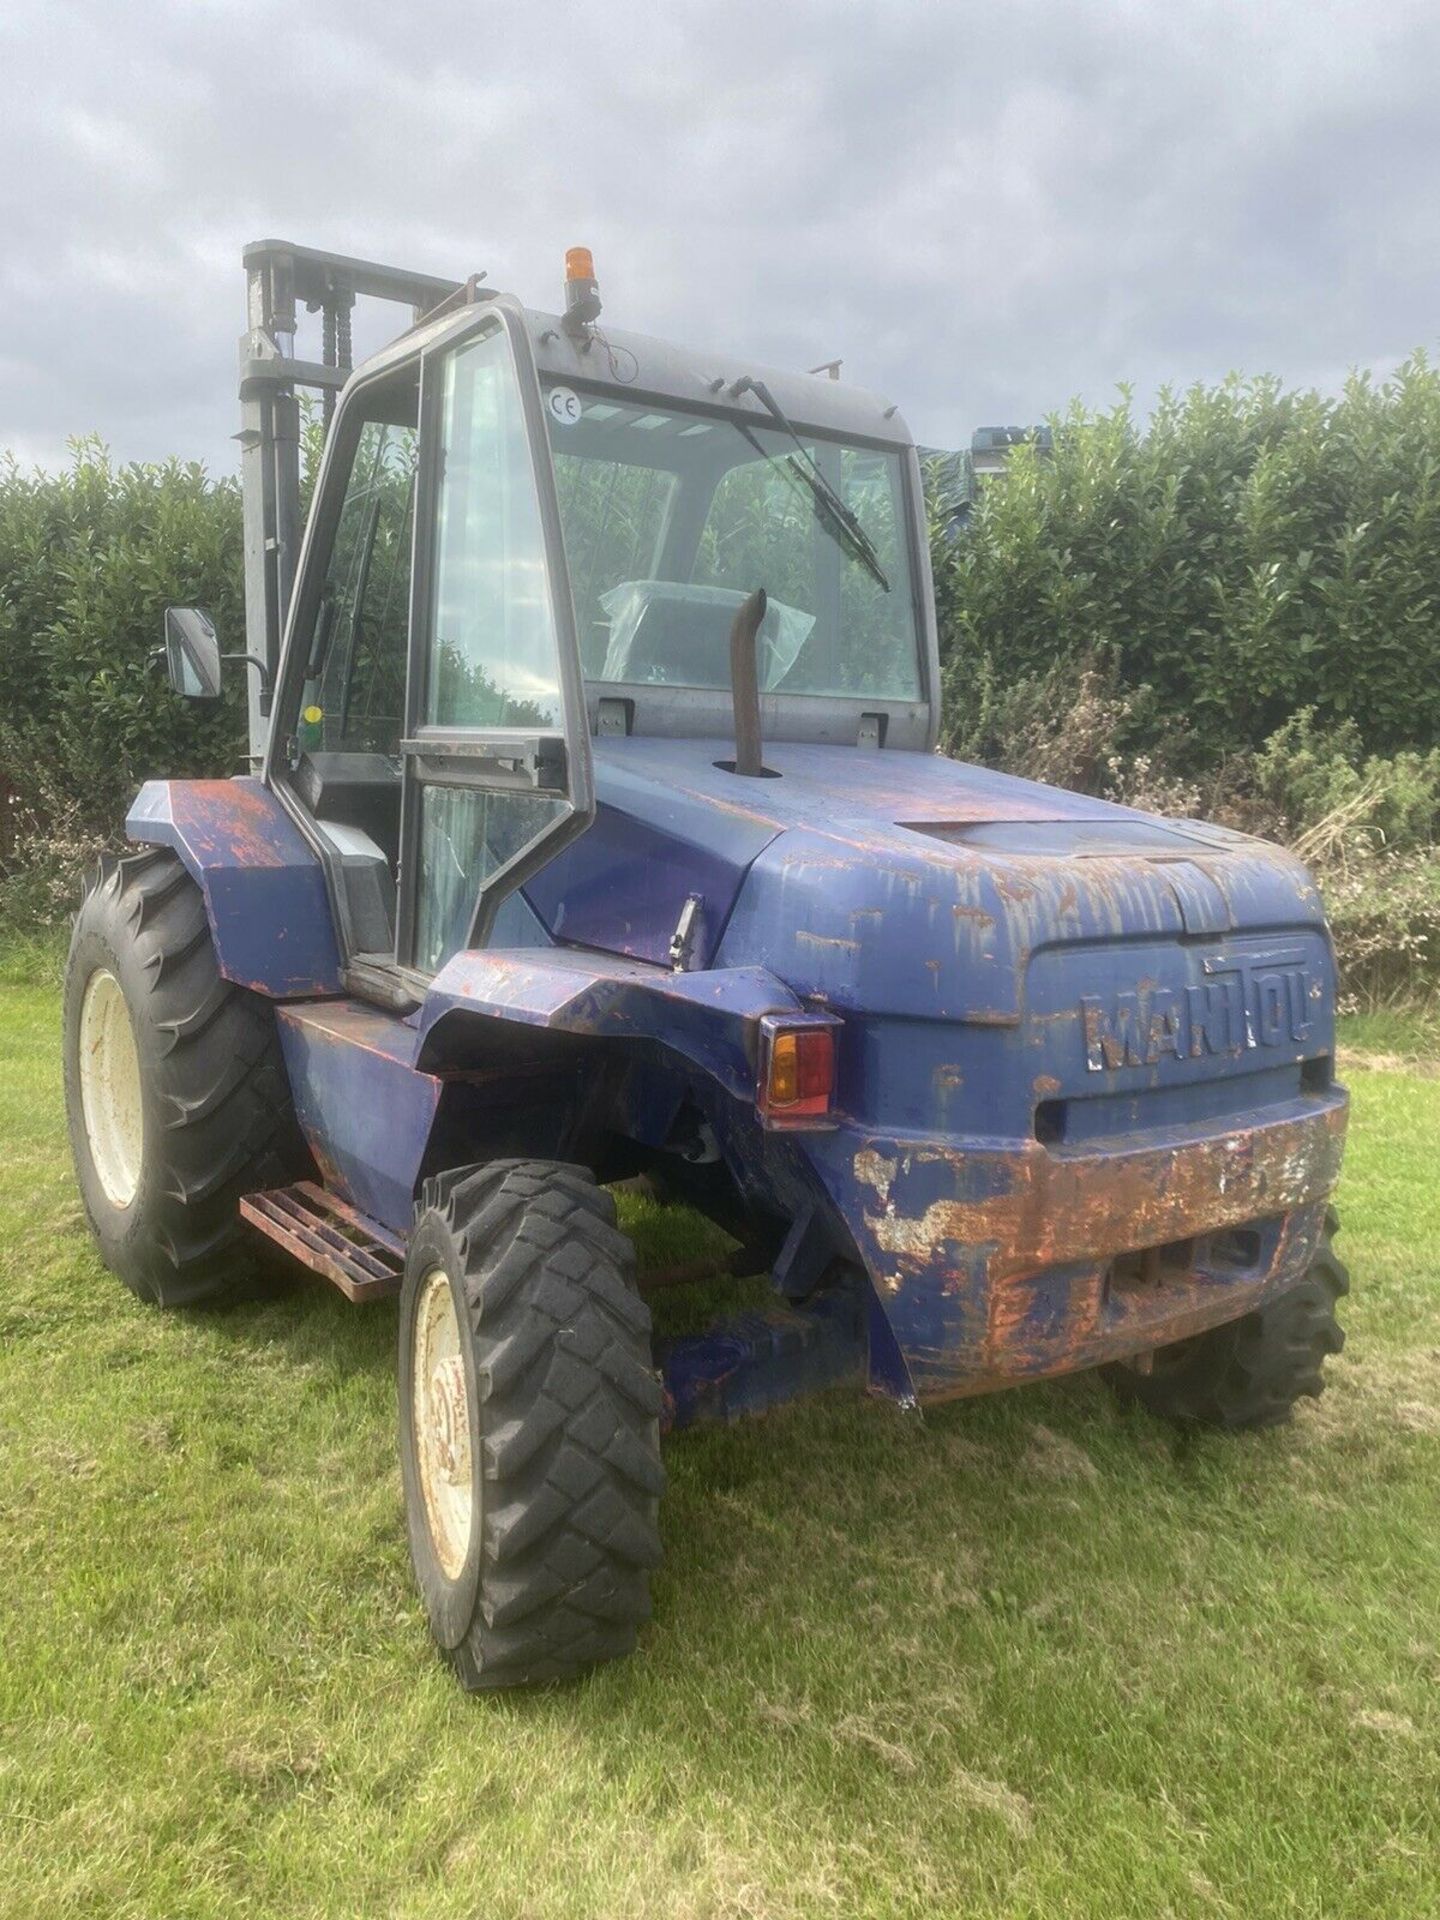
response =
{"points": [[582, 294]]}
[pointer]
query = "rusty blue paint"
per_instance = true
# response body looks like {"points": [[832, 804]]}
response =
{"points": [[264, 888], [622, 886], [706, 1020], [996, 1265], [1068, 1032], [1057, 1016], [365, 1110], [672, 822]]}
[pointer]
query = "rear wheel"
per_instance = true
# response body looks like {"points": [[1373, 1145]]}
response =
{"points": [[529, 1424], [1251, 1372], [175, 1090]]}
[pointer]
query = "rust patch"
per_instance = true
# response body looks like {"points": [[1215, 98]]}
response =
{"points": [[977, 915], [357, 1255], [1058, 1208], [875, 1171], [1075, 1317], [234, 820], [351, 1023]]}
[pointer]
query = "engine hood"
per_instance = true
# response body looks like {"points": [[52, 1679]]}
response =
{"points": [[670, 822], [903, 882], [1100, 948]]}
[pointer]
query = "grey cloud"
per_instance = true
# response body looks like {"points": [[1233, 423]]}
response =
{"points": [[985, 210]]}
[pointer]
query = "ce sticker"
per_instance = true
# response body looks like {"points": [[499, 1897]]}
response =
{"points": [[564, 405]]}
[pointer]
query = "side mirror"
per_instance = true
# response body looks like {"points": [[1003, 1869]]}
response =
{"points": [[192, 653]]}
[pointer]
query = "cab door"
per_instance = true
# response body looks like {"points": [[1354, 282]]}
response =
{"points": [[496, 751]]}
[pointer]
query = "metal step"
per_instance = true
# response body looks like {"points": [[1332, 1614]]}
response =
{"points": [[354, 1253]]}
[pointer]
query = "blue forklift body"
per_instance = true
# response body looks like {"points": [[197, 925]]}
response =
{"points": [[595, 836], [1084, 1101]]}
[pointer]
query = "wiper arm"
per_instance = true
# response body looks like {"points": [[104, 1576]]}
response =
{"points": [[838, 519]]}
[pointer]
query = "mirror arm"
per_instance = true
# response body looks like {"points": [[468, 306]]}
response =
{"points": [[262, 667]]}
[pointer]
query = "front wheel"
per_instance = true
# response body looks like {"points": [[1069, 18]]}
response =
{"points": [[529, 1424], [175, 1087], [1250, 1372]]}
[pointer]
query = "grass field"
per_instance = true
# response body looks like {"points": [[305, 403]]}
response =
{"points": [[1033, 1657]]}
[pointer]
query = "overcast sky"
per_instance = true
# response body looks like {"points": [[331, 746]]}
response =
{"points": [[985, 208]]}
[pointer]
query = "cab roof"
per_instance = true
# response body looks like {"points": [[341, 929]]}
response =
{"points": [[696, 377], [639, 366]]}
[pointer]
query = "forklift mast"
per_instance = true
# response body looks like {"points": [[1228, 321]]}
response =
{"points": [[282, 279]]}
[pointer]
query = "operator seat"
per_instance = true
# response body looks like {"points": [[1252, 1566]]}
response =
{"points": [[360, 790]]}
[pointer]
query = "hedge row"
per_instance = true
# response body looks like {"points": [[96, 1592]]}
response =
{"points": [[89, 558], [1251, 553]]}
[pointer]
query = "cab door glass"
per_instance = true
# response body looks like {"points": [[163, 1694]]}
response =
{"points": [[343, 731], [494, 656], [499, 762], [466, 835], [365, 603]]}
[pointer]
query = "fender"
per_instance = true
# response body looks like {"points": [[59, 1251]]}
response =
{"points": [[264, 888], [371, 1087], [710, 1019]]}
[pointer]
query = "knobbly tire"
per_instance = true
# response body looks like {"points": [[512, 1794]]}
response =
{"points": [[1251, 1372], [529, 1424], [175, 1089]]}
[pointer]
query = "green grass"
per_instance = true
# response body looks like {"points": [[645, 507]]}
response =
{"points": [[1036, 1656], [1396, 1037]]}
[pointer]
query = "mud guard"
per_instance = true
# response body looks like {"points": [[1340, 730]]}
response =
{"points": [[369, 1085], [264, 888], [710, 1019]]}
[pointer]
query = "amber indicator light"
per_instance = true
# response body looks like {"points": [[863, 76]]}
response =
{"points": [[800, 1073]]}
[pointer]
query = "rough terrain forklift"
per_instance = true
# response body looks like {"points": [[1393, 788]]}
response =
{"points": [[595, 831]]}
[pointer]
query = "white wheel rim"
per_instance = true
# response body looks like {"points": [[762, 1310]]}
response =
{"points": [[442, 1424], [110, 1088]]}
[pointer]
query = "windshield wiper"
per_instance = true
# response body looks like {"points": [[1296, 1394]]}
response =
{"points": [[836, 517]]}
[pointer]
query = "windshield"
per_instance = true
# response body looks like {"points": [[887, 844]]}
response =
{"points": [[672, 518]]}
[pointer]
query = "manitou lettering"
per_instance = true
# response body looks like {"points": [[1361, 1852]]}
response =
{"points": [[1240, 1005]]}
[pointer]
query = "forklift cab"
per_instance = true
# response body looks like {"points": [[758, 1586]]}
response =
{"points": [[520, 538]]}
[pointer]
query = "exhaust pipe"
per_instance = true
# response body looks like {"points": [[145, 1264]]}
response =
{"points": [[745, 683]]}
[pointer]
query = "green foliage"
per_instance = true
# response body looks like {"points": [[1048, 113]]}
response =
{"points": [[1310, 775], [1385, 917], [89, 559], [1252, 552]]}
